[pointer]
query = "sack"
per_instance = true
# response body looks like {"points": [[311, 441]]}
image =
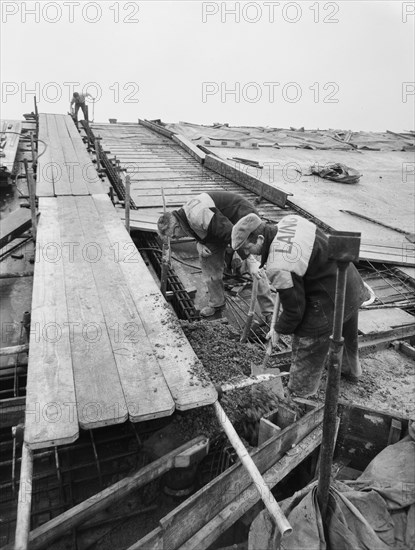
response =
{"points": [[336, 172]]}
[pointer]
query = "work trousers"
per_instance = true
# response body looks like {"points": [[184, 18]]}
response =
{"points": [[84, 108], [309, 356], [212, 275]]}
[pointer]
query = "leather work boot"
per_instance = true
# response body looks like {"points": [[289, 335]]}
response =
{"points": [[209, 311]]}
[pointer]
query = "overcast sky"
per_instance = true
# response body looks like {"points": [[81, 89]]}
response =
{"points": [[347, 64]]}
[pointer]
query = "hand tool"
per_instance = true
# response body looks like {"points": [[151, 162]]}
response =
{"points": [[343, 247], [410, 236], [275, 312], [251, 311]]}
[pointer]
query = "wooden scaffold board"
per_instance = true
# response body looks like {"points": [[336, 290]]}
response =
{"points": [[114, 350]]}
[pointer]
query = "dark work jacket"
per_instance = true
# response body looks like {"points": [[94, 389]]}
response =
{"points": [[210, 217], [295, 253]]}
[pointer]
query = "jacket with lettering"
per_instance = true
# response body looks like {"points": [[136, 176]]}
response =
{"points": [[296, 256], [209, 217]]}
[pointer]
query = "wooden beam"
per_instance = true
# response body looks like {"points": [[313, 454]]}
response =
{"points": [[156, 128], [44, 535], [190, 147], [261, 188]]}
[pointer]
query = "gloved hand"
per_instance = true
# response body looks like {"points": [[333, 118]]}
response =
{"points": [[273, 336], [253, 267], [203, 250]]}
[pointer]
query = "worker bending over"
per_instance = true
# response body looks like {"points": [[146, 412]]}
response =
{"points": [[294, 253], [78, 101], [209, 218]]}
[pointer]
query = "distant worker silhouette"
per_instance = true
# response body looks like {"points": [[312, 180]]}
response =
{"points": [[77, 102]]}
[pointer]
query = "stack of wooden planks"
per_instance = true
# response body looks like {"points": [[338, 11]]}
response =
{"points": [[104, 345]]}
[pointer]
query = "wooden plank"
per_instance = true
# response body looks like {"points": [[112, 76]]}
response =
{"points": [[89, 173], [379, 320], [267, 429], [75, 169], [137, 223], [175, 355], [190, 516], [9, 141], [14, 224], [61, 183], [156, 128], [261, 188], [44, 176], [190, 147], [43, 536], [99, 395], [145, 389], [51, 414]]}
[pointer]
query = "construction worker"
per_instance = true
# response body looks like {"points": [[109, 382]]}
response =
{"points": [[294, 256], [209, 218], [78, 101]]}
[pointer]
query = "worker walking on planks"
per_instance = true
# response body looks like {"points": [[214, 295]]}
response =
{"points": [[209, 218], [294, 253], [78, 101]]}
